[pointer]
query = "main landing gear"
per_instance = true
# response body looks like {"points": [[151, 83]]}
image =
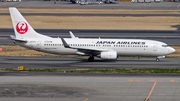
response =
{"points": [[91, 59]]}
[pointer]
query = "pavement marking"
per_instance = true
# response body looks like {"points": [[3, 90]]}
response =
{"points": [[155, 80], [130, 80], [134, 80], [172, 80], [86, 99], [152, 80], [147, 98]]}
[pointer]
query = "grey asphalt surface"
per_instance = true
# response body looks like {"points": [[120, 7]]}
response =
{"points": [[169, 37], [121, 5], [17, 87], [81, 62]]}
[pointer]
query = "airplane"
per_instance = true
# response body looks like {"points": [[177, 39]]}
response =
{"points": [[108, 49]]}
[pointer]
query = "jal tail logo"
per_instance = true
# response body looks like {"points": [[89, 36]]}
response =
{"points": [[21, 27]]}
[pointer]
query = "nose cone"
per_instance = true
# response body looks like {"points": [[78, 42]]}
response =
{"points": [[171, 50]]}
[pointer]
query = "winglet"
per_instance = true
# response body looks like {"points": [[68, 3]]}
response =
{"points": [[72, 35], [65, 44]]}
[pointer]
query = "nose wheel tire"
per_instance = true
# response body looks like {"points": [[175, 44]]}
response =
{"points": [[157, 60], [91, 59]]}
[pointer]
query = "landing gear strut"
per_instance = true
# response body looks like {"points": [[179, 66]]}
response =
{"points": [[91, 59]]}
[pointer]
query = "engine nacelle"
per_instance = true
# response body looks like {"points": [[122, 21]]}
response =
{"points": [[109, 55]]}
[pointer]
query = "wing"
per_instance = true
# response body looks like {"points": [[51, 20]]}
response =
{"points": [[87, 51]]}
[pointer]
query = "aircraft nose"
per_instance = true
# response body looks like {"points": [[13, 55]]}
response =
{"points": [[171, 50]]}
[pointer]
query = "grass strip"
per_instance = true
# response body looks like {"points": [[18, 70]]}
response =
{"points": [[99, 22], [102, 71]]}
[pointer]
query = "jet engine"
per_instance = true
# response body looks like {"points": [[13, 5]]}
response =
{"points": [[108, 55]]}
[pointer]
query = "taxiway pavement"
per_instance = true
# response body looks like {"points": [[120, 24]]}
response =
{"points": [[17, 87], [81, 62]]}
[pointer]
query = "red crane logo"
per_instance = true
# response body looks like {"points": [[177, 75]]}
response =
{"points": [[21, 27]]}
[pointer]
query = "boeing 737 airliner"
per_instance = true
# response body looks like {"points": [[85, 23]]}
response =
{"points": [[108, 49]]}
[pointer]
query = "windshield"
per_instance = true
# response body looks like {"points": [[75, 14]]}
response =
{"points": [[165, 46]]}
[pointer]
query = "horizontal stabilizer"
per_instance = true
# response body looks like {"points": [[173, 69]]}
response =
{"points": [[19, 40]]}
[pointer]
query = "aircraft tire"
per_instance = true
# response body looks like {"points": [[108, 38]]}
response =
{"points": [[157, 60]]}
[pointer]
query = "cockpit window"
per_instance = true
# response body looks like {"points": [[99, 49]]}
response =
{"points": [[165, 46]]}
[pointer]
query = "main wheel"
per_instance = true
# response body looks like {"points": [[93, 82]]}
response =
{"points": [[91, 59]]}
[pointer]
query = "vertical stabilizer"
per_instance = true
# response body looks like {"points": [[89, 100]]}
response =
{"points": [[22, 28]]}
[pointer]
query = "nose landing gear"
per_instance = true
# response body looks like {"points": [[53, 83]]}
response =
{"points": [[159, 57], [157, 60]]}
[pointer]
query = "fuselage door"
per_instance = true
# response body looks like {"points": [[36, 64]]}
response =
{"points": [[38, 44], [155, 46]]}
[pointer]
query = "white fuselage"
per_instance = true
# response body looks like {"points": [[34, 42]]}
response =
{"points": [[127, 47]]}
